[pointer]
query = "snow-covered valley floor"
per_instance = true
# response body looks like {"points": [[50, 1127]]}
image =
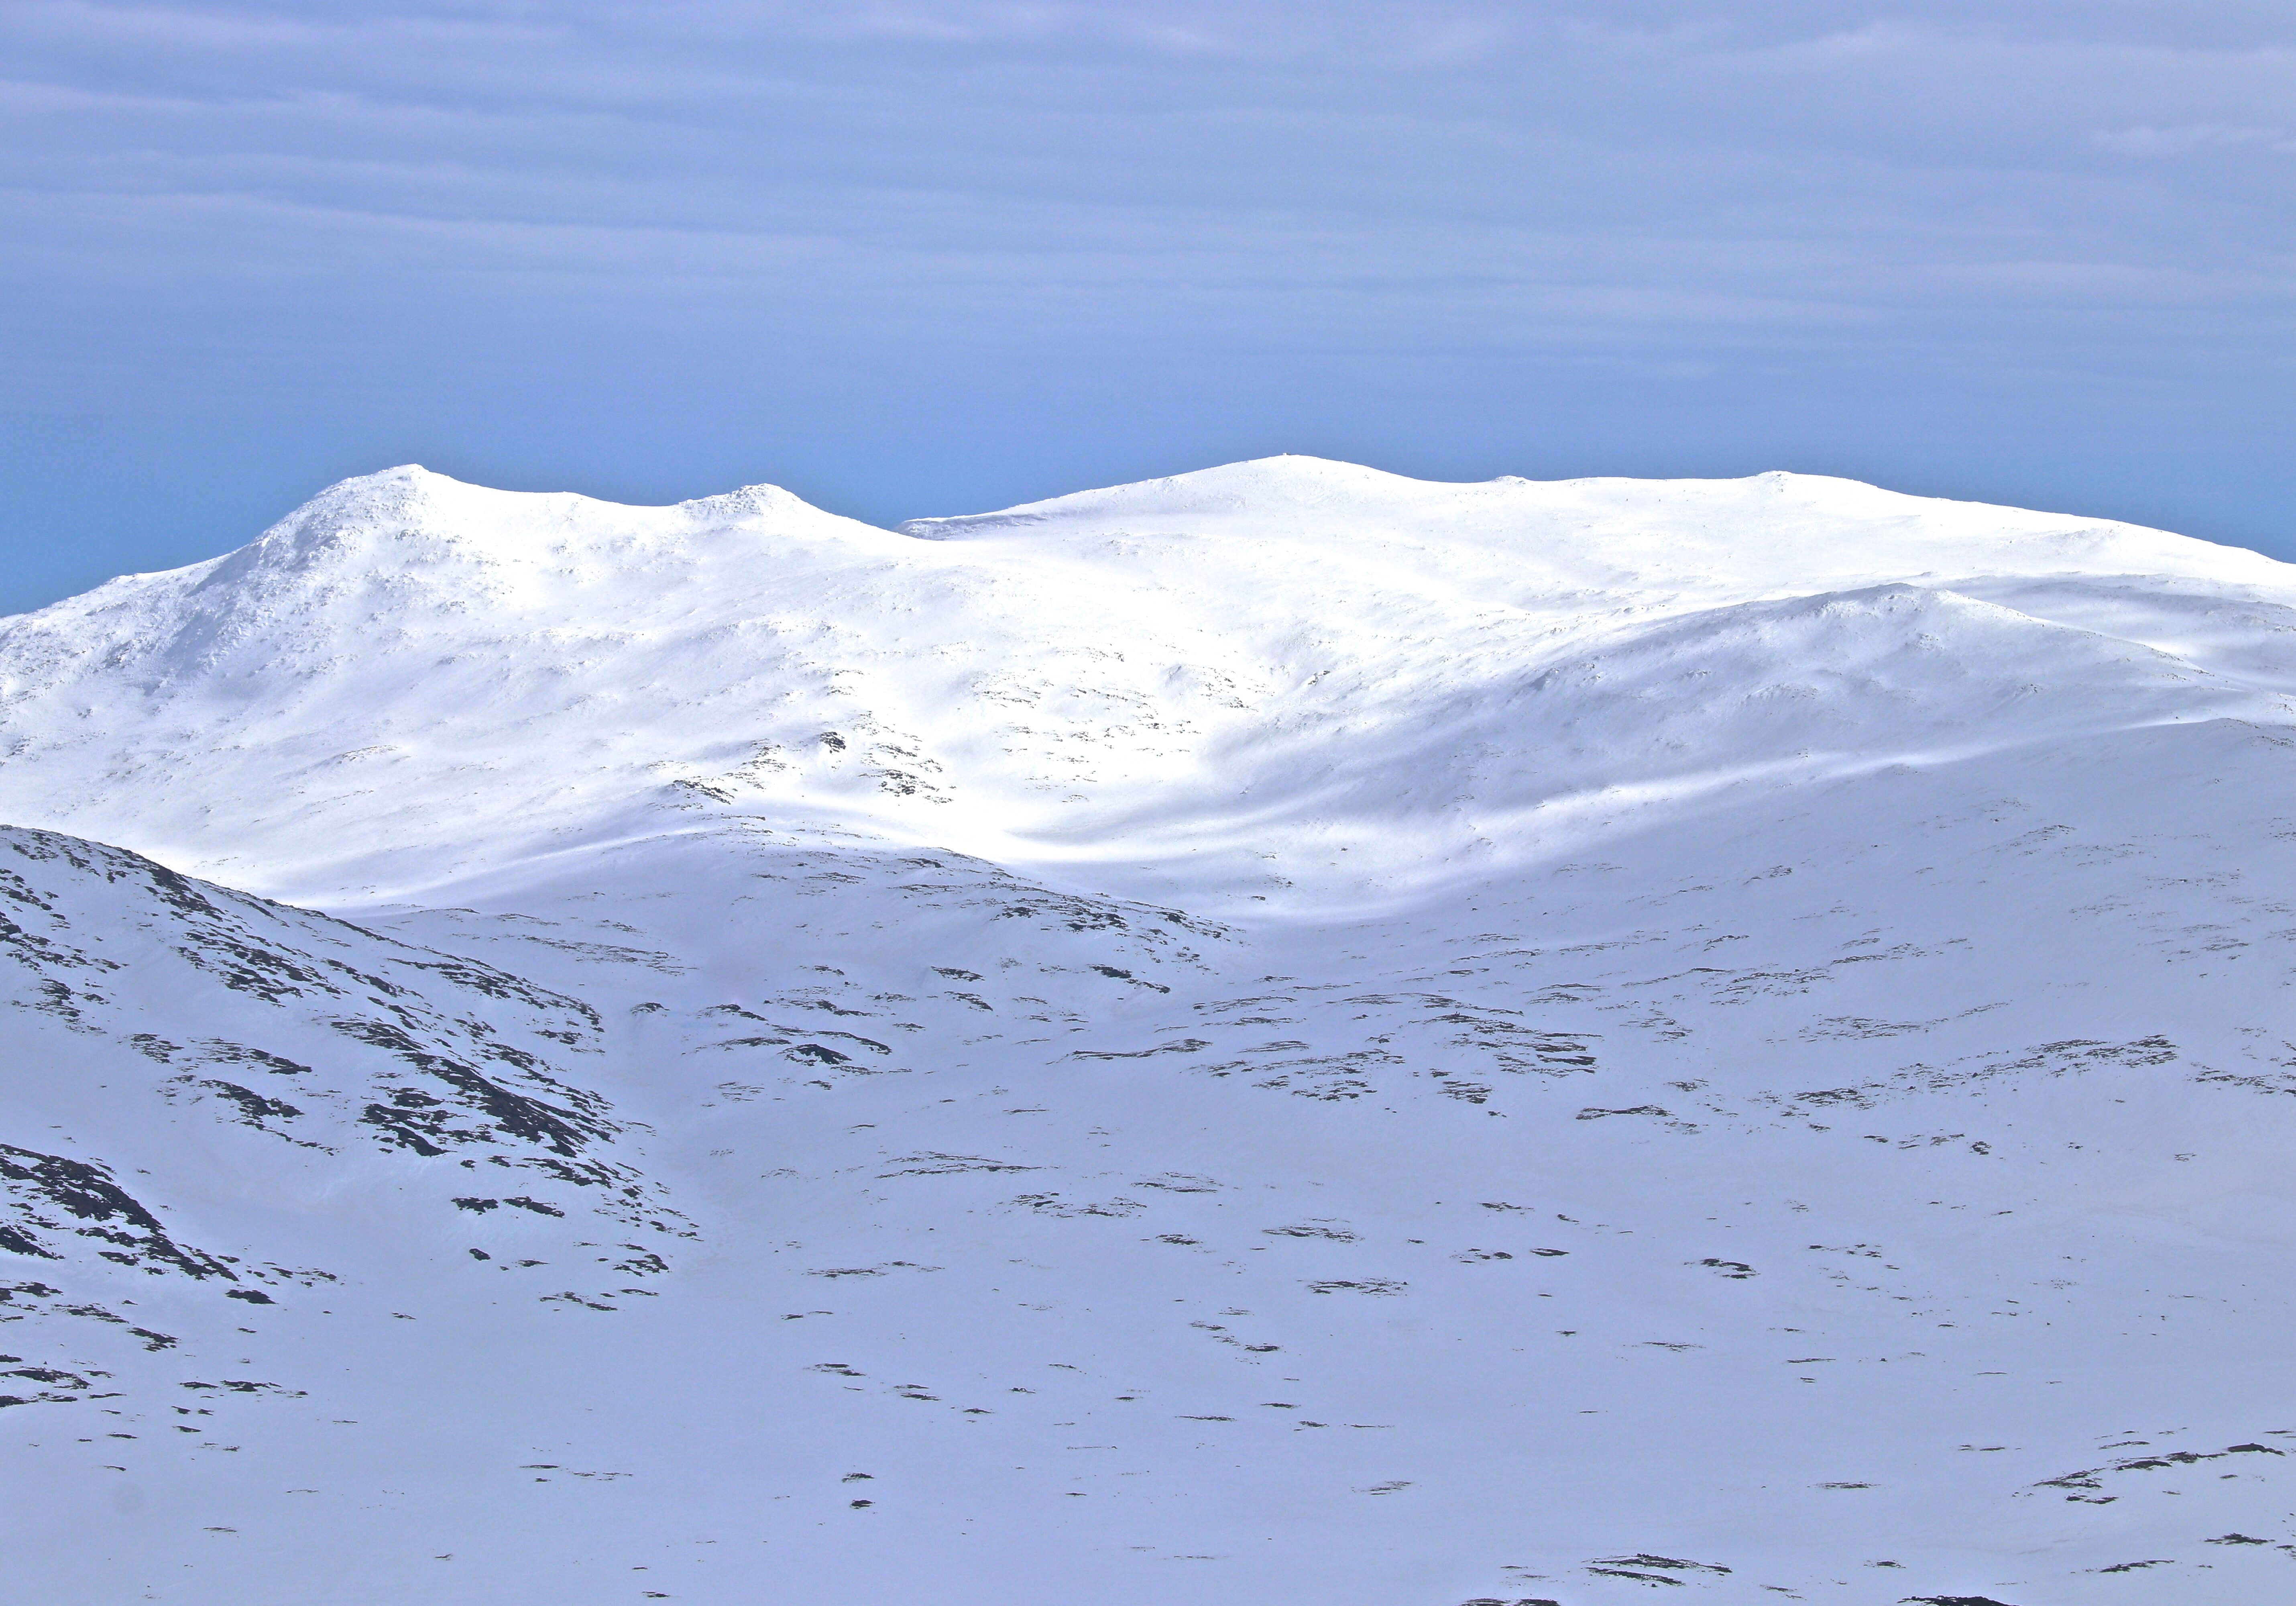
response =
{"points": [[1282, 1035]]}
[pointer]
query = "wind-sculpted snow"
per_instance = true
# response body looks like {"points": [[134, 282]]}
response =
{"points": [[1286, 1035]]}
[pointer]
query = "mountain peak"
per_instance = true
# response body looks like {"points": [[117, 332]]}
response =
{"points": [[1277, 486], [410, 519]]}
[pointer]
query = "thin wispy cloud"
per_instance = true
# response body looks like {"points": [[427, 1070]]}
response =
{"points": [[874, 249]]}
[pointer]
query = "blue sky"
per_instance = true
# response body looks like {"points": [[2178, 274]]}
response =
{"points": [[910, 258]]}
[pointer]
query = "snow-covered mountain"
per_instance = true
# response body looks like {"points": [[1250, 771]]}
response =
{"points": [[1281, 1035]]}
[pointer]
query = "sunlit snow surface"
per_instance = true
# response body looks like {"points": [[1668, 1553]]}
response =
{"points": [[1282, 1035]]}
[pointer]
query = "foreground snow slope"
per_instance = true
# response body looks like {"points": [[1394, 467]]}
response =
{"points": [[1284, 1034]]}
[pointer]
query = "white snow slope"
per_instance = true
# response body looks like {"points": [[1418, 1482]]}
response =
{"points": [[1282, 1035]]}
